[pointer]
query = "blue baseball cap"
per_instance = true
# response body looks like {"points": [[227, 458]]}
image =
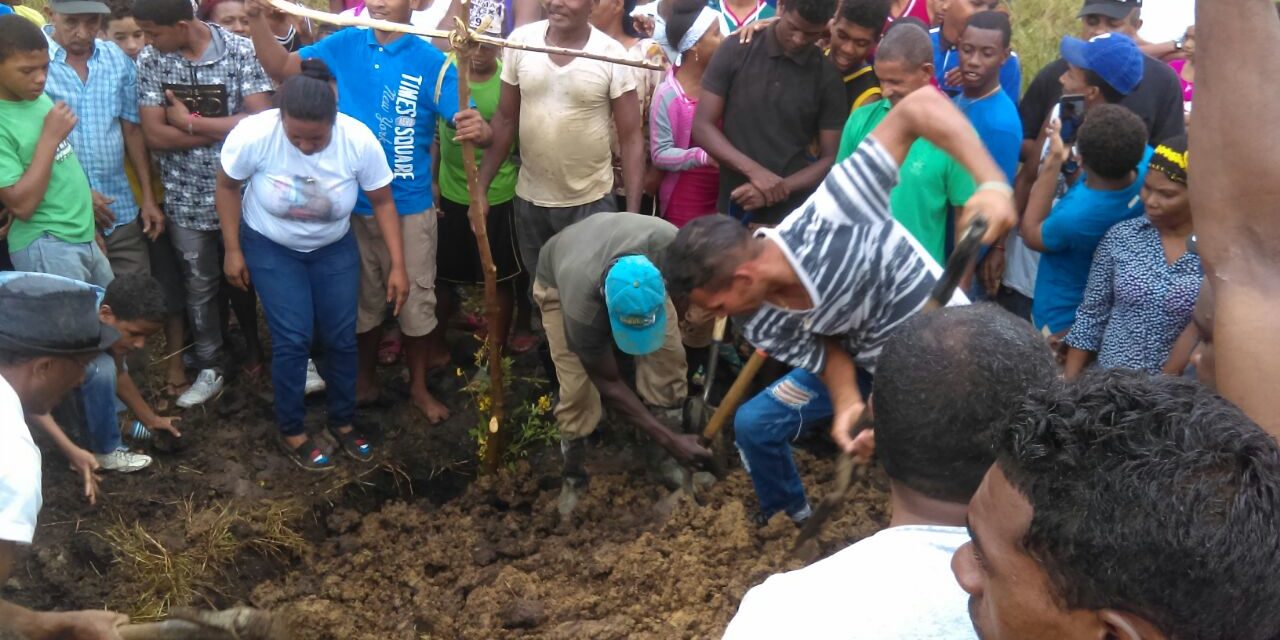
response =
{"points": [[636, 298], [1113, 56]]}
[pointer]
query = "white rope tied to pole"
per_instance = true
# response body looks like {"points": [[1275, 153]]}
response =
{"points": [[456, 36]]}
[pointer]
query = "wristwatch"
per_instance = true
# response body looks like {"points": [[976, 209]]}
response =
{"points": [[1179, 43]]}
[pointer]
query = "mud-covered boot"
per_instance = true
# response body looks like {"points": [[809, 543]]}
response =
{"points": [[573, 483]]}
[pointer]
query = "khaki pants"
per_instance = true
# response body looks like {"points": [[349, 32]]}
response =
{"points": [[128, 249], [418, 231], [660, 376], [696, 327]]}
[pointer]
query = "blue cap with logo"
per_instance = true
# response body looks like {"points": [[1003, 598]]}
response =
{"points": [[1113, 56], [636, 298]]}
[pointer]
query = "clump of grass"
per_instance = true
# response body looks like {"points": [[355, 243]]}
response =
{"points": [[1038, 27], [152, 577]]}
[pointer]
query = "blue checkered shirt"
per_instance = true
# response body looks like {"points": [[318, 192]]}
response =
{"points": [[109, 96]]}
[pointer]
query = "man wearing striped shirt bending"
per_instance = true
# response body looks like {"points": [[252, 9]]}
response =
{"points": [[823, 291]]}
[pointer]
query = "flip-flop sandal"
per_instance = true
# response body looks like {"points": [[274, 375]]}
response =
{"points": [[307, 455], [522, 343], [354, 444], [253, 373]]}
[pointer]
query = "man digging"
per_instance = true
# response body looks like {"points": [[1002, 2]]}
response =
{"points": [[598, 288]]}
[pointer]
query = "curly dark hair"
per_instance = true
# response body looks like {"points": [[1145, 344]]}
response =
{"points": [[944, 381], [705, 254], [1151, 494], [1112, 141], [813, 11], [133, 296], [868, 14]]}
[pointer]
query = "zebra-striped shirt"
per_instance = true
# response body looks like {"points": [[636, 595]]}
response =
{"points": [[863, 271]]}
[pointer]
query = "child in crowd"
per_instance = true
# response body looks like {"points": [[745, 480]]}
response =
{"points": [[691, 181]]}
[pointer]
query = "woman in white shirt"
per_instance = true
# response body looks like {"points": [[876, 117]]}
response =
{"points": [[303, 163]]}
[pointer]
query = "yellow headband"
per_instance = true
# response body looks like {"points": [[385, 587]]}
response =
{"points": [[1178, 159]]}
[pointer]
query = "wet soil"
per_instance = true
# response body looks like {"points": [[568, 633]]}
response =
{"points": [[419, 545]]}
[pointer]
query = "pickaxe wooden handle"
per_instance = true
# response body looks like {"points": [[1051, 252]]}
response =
{"points": [[734, 397], [232, 624]]}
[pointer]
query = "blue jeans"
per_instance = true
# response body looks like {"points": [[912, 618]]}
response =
{"points": [[767, 424], [81, 261], [101, 408], [304, 294]]}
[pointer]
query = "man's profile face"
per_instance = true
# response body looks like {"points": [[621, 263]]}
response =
{"points": [[850, 44], [743, 294], [76, 32], [1010, 597], [898, 79], [54, 377], [794, 33], [1073, 81], [982, 54], [1096, 24]]}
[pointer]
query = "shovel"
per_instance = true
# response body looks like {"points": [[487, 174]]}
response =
{"points": [[240, 623], [700, 408], [964, 257]]}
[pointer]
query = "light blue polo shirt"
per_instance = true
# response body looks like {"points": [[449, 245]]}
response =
{"points": [[391, 88]]}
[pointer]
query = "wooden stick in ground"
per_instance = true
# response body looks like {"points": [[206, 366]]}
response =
{"points": [[384, 25], [495, 445]]}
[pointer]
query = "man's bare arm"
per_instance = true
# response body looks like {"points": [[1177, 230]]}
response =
{"points": [[1234, 196], [930, 115], [626, 116]]}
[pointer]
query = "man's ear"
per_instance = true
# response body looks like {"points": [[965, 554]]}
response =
{"points": [[1122, 625], [106, 315], [48, 13]]}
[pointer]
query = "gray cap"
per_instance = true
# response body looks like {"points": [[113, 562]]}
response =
{"points": [[46, 315], [78, 6]]}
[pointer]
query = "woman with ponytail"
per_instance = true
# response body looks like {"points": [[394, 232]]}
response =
{"points": [[303, 163]]}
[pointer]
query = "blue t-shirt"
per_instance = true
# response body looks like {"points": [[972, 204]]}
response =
{"points": [[1070, 235], [945, 60], [999, 127], [391, 88]]}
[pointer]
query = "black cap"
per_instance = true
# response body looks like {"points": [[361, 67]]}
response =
{"points": [[1115, 9], [47, 315]]}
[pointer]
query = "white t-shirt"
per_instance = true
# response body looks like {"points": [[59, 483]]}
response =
{"points": [[894, 585], [566, 115], [300, 201], [19, 471]]}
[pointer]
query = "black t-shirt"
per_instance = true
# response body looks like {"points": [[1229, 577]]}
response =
{"points": [[775, 105], [1157, 100]]}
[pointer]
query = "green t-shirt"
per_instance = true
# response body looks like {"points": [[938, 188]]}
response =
{"points": [[928, 180], [66, 211], [453, 176]]}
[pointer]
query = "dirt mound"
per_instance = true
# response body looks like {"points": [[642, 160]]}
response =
{"points": [[499, 562]]}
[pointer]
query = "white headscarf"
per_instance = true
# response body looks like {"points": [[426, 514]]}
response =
{"points": [[705, 20]]}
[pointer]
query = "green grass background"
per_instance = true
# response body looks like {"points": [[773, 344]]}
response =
{"points": [[1038, 25]]}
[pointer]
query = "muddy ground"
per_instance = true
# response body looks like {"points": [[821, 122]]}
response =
{"points": [[417, 546]]}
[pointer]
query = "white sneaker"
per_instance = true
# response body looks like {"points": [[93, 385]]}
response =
{"points": [[315, 384], [208, 384], [123, 460]]}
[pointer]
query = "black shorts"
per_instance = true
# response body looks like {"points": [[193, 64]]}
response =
{"points": [[458, 257]]}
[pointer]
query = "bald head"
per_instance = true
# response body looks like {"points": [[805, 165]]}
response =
{"points": [[906, 42], [904, 60]]}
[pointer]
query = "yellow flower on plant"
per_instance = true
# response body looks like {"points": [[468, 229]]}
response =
{"points": [[544, 404], [459, 372]]}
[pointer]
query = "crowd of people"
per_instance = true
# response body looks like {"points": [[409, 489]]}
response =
{"points": [[1061, 463]]}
